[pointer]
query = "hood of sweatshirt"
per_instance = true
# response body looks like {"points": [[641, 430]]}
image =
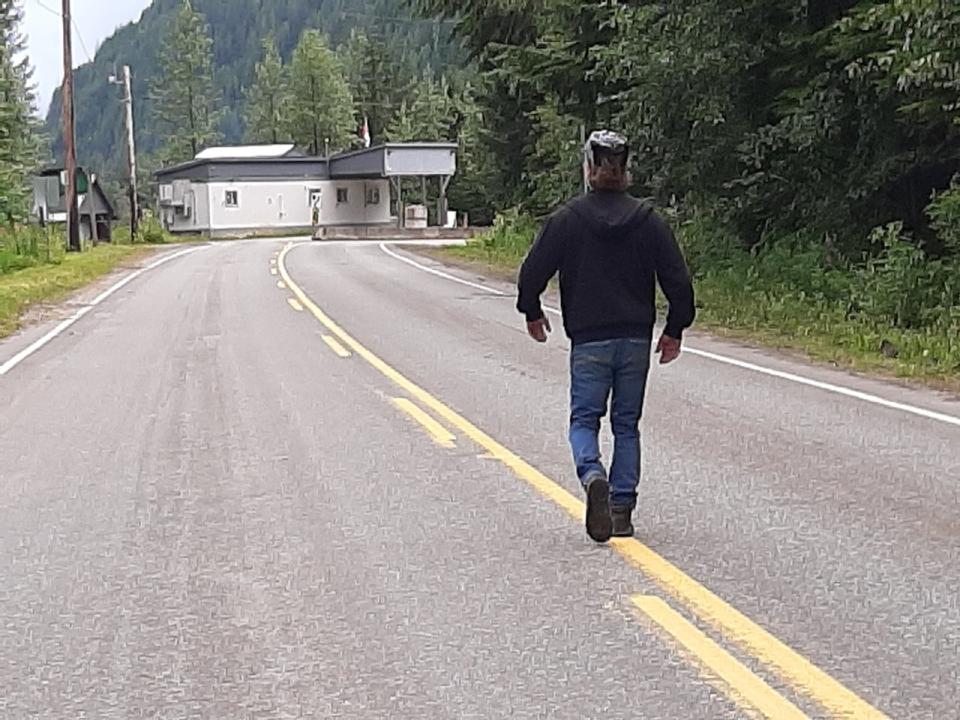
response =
{"points": [[611, 216]]}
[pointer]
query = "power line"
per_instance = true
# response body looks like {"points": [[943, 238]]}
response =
{"points": [[73, 22], [83, 45]]}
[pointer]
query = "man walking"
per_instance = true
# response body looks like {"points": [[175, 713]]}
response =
{"points": [[610, 250]]}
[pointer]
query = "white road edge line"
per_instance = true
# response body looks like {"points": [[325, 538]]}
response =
{"points": [[790, 377], [438, 273], [59, 329]]}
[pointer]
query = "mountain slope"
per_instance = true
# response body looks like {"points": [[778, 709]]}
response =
{"points": [[237, 27]]}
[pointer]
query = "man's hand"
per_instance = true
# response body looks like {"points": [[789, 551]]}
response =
{"points": [[668, 348], [539, 329]]}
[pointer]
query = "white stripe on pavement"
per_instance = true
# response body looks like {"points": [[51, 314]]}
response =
{"points": [[438, 273]]}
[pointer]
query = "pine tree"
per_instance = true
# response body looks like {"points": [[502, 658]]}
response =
{"points": [[267, 97], [474, 189], [554, 173], [320, 104], [428, 118], [402, 128], [380, 75], [19, 138], [183, 95]]}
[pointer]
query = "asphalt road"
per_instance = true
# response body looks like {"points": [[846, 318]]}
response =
{"points": [[323, 482]]}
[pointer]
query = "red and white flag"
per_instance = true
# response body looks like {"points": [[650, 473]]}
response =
{"points": [[365, 132]]}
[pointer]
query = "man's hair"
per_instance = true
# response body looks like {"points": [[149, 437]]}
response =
{"points": [[606, 154], [610, 173]]}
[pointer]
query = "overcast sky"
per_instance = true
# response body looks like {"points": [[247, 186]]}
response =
{"points": [[95, 20]]}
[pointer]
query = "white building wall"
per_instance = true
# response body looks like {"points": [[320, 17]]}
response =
{"points": [[261, 205], [200, 197], [281, 204], [356, 210]]}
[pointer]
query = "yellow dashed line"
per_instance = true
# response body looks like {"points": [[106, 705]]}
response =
{"points": [[441, 436], [295, 304], [336, 347]]}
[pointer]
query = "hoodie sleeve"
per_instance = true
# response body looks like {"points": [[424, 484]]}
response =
{"points": [[541, 264], [674, 279]]}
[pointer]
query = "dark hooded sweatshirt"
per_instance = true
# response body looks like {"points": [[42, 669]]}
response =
{"points": [[610, 250]]}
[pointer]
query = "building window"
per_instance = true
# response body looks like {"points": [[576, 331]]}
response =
{"points": [[373, 196], [231, 198], [343, 195]]}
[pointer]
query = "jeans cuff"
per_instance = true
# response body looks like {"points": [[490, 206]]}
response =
{"points": [[592, 473]]}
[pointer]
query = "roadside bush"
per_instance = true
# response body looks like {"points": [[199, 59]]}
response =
{"points": [[510, 237], [27, 246], [151, 232], [803, 267], [904, 286], [707, 245], [944, 214], [121, 235], [11, 262]]}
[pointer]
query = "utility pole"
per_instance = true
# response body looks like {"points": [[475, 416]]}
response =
{"points": [[131, 149], [69, 137]]}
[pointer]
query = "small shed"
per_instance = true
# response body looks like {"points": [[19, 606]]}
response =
{"points": [[50, 203]]}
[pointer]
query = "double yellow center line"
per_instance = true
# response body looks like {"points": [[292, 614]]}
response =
{"points": [[745, 689], [738, 629]]}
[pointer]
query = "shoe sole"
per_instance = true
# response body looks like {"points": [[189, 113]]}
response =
{"points": [[599, 522]]}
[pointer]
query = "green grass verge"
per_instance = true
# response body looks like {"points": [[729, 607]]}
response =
{"points": [[737, 303], [52, 282]]}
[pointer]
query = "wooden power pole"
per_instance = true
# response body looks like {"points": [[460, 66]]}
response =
{"points": [[131, 153], [69, 136]]}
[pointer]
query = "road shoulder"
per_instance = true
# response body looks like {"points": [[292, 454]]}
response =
{"points": [[911, 392], [741, 344], [39, 317]]}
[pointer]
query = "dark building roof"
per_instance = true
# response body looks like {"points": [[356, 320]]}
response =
{"points": [[233, 169]]}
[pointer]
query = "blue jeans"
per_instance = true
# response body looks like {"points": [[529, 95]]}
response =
{"points": [[596, 370]]}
